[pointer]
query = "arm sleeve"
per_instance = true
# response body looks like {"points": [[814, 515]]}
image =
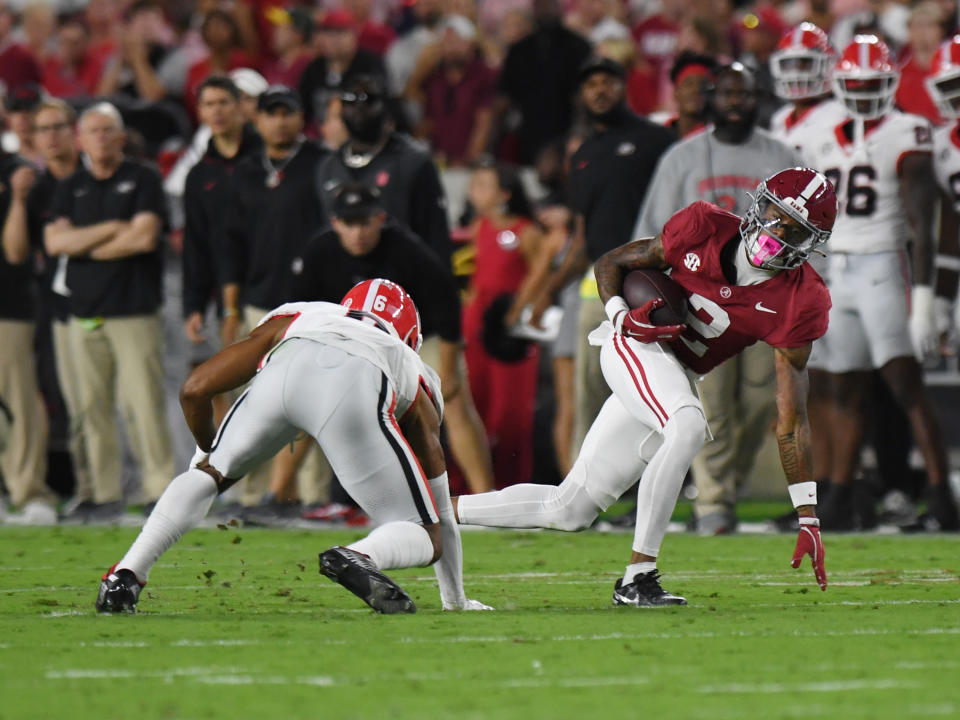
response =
{"points": [[198, 274], [428, 211], [682, 228]]}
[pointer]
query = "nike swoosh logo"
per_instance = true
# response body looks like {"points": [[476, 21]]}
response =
{"points": [[761, 308]]}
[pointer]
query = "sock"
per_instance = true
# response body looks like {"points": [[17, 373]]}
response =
{"points": [[399, 544], [182, 505], [633, 569], [449, 568]]}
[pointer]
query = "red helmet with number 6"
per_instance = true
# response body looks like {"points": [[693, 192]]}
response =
{"points": [[386, 300], [792, 214], [943, 83], [866, 78], [802, 64]]}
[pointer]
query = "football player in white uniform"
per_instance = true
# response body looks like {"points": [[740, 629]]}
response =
{"points": [[350, 376], [943, 84], [879, 160]]}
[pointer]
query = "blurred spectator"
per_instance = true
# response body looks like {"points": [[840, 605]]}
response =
{"points": [[38, 22], [20, 104], [291, 44], [221, 35], [17, 64], [537, 85], [719, 166], [512, 261], [886, 18], [609, 177], [112, 233], [23, 463], [73, 70], [759, 32], [340, 61], [642, 90], [692, 77], [701, 35], [820, 14], [104, 23], [144, 42], [456, 88], [206, 194], [594, 19], [516, 25], [401, 59], [493, 15], [925, 34], [656, 39], [372, 34]]}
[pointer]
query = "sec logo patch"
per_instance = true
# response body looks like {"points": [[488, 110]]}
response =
{"points": [[692, 261]]}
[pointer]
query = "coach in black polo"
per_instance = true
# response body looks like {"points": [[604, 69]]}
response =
{"points": [[609, 175], [108, 217]]}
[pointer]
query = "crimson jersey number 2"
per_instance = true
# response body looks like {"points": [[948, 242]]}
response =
{"points": [[719, 322], [860, 198]]}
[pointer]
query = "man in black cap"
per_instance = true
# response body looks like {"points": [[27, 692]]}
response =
{"points": [[609, 175], [272, 213]]}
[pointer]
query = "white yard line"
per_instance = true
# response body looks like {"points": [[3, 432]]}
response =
{"points": [[810, 687]]}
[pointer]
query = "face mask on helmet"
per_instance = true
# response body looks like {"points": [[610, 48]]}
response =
{"points": [[866, 78], [945, 91], [776, 233], [801, 74]]}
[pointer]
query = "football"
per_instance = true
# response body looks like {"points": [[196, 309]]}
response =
{"points": [[642, 286]]}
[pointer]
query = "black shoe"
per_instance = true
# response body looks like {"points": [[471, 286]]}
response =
{"points": [[360, 576], [119, 592], [644, 591], [942, 507], [837, 512]]}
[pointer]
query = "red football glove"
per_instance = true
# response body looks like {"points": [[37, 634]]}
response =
{"points": [[809, 543], [636, 324]]}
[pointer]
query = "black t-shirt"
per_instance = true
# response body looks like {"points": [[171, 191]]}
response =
{"points": [[113, 288], [206, 194], [16, 281], [609, 175], [268, 227], [318, 83], [329, 272], [409, 184], [540, 77]]}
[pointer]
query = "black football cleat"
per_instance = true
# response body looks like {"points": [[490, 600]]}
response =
{"points": [[942, 508], [359, 575], [644, 591], [119, 592]]}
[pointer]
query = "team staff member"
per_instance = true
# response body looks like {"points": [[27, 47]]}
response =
{"points": [[53, 131], [273, 210], [361, 246], [206, 194], [108, 218], [23, 464], [401, 169], [609, 175]]}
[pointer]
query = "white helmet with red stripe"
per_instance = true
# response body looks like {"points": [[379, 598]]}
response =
{"points": [[943, 83], [866, 78], [386, 300], [792, 214], [802, 64]]}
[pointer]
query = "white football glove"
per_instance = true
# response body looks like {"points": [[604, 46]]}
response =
{"points": [[923, 327], [466, 604]]}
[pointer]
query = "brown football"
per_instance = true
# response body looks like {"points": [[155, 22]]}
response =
{"points": [[642, 286]]}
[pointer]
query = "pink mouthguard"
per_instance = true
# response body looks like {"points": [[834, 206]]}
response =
{"points": [[767, 247]]}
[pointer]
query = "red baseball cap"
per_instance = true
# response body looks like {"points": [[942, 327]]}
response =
{"points": [[337, 20]]}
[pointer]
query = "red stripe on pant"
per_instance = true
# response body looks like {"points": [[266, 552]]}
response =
{"points": [[646, 393]]}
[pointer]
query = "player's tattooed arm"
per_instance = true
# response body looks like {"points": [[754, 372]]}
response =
{"points": [[793, 428], [228, 369], [613, 266]]}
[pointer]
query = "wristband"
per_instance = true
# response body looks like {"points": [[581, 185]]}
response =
{"points": [[804, 493], [815, 522], [614, 307]]}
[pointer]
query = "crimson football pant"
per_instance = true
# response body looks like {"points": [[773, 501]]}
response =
{"points": [[649, 429]]}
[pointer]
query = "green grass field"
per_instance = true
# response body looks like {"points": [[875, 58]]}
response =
{"points": [[239, 624]]}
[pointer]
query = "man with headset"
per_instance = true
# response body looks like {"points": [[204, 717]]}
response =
{"points": [[722, 166]]}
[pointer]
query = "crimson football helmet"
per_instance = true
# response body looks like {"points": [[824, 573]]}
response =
{"points": [[943, 83], [386, 300], [802, 195], [866, 78], [802, 64]]}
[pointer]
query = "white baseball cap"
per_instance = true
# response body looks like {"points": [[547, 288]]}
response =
{"points": [[249, 82]]}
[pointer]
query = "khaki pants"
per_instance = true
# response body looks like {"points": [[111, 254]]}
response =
{"points": [[70, 390], [590, 389], [24, 462], [739, 399], [122, 360]]}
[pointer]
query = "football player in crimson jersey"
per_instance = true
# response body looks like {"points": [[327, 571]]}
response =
{"points": [[351, 376], [882, 319], [745, 280]]}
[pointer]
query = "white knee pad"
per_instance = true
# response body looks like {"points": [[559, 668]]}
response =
{"points": [[686, 431]]}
